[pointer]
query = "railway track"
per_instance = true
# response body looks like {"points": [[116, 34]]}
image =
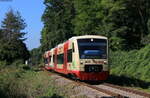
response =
{"points": [[129, 90], [114, 91], [112, 94]]}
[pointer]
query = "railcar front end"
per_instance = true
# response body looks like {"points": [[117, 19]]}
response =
{"points": [[92, 60]]}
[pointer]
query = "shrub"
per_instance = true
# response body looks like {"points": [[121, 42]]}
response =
{"points": [[18, 83], [134, 63], [18, 63], [2, 64]]}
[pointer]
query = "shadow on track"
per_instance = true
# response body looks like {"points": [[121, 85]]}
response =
{"points": [[126, 81], [122, 81]]}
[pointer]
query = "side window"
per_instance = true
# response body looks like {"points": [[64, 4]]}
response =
{"points": [[50, 58], [69, 55], [46, 60], [60, 58], [73, 47], [53, 58]]}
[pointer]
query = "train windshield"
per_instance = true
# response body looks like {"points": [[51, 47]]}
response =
{"points": [[92, 48]]}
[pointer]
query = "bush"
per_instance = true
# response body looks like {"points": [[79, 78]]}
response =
{"points": [[135, 63], [19, 83], [2, 64], [18, 63]]}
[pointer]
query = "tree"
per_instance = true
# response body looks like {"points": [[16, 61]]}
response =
{"points": [[88, 17], [12, 46], [57, 20], [12, 26], [127, 20], [124, 22], [36, 56]]}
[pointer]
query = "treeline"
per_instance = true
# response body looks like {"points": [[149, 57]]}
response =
{"points": [[12, 45], [125, 22]]}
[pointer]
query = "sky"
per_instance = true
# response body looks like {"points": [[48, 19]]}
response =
{"points": [[31, 11]]}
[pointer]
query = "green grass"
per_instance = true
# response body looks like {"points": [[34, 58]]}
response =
{"points": [[20, 83]]}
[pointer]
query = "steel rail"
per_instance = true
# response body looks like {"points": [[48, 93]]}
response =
{"points": [[144, 94], [112, 94]]}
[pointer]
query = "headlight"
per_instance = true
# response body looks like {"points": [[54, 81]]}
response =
{"points": [[81, 62]]}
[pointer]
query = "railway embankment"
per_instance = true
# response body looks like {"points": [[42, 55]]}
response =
{"points": [[131, 68]]}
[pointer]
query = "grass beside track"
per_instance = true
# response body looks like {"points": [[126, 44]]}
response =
{"points": [[20, 83], [31, 83]]}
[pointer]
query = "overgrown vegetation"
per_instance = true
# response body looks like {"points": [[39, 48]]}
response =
{"points": [[36, 57], [20, 83], [125, 22], [133, 64]]}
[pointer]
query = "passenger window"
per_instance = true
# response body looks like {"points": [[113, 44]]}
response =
{"points": [[60, 58], [72, 47], [46, 60], [53, 58], [49, 58], [69, 55]]}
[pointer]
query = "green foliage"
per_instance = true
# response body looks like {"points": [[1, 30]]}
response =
{"points": [[12, 25], [132, 64], [127, 20], [116, 43], [124, 22], [88, 16], [57, 19], [19, 83], [146, 40], [2, 64], [18, 63], [11, 38], [36, 56]]}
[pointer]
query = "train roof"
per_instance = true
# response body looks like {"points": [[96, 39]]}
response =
{"points": [[87, 36], [80, 37]]}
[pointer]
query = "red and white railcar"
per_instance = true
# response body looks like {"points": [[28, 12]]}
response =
{"points": [[84, 57]]}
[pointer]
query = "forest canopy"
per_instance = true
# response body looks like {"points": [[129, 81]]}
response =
{"points": [[125, 22]]}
